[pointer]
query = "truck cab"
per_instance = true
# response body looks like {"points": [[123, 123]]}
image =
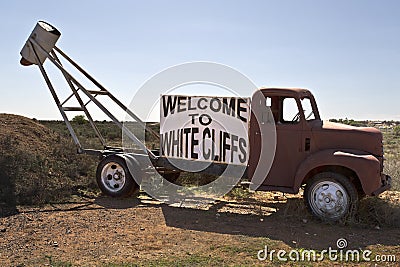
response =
{"points": [[336, 164]]}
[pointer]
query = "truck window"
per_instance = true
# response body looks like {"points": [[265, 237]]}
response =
{"points": [[290, 111], [307, 109]]}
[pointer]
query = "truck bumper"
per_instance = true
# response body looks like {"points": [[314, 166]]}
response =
{"points": [[386, 184]]}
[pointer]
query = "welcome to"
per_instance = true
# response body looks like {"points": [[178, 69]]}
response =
{"points": [[206, 128]]}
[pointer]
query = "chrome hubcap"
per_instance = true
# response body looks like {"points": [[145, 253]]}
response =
{"points": [[329, 199], [113, 176]]}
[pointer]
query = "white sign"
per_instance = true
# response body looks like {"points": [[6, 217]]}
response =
{"points": [[205, 128]]}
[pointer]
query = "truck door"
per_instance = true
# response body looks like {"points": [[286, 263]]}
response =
{"points": [[291, 129]]}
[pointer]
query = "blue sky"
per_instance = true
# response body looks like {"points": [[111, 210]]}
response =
{"points": [[346, 52]]}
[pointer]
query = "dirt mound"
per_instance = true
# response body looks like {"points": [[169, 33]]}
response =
{"points": [[37, 165], [19, 132]]}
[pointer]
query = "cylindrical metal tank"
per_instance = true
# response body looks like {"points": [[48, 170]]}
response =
{"points": [[45, 35]]}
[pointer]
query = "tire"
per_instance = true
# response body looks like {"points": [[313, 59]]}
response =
{"points": [[114, 179], [331, 196]]}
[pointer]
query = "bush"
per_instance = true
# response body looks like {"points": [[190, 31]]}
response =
{"points": [[396, 130], [79, 119], [38, 165]]}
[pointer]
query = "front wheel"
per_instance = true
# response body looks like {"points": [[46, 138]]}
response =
{"points": [[114, 179], [331, 196]]}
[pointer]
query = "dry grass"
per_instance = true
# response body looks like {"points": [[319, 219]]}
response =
{"points": [[380, 211], [38, 165], [373, 212], [392, 168], [391, 143]]}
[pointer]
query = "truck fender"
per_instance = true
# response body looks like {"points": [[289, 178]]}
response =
{"points": [[366, 166], [133, 166]]}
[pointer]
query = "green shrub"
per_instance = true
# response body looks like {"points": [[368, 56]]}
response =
{"points": [[396, 130], [80, 119]]}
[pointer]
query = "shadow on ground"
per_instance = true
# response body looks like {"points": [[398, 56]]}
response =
{"points": [[287, 221], [296, 229], [284, 220]]}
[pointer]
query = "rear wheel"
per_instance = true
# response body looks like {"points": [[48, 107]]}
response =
{"points": [[114, 179], [331, 196]]}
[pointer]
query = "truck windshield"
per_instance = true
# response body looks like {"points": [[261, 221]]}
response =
{"points": [[307, 109]]}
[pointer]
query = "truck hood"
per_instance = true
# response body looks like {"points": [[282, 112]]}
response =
{"points": [[328, 135]]}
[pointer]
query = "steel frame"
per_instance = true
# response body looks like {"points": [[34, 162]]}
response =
{"points": [[159, 162], [75, 86]]}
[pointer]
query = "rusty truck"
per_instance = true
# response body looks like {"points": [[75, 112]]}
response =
{"points": [[335, 164]]}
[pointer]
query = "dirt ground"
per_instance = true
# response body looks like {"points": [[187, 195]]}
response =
{"points": [[102, 231], [92, 230]]}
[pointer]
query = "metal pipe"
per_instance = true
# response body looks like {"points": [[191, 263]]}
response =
{"points": [[119, 103], [68, 98], [56, 99], [104, 109], [77, 96]]}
